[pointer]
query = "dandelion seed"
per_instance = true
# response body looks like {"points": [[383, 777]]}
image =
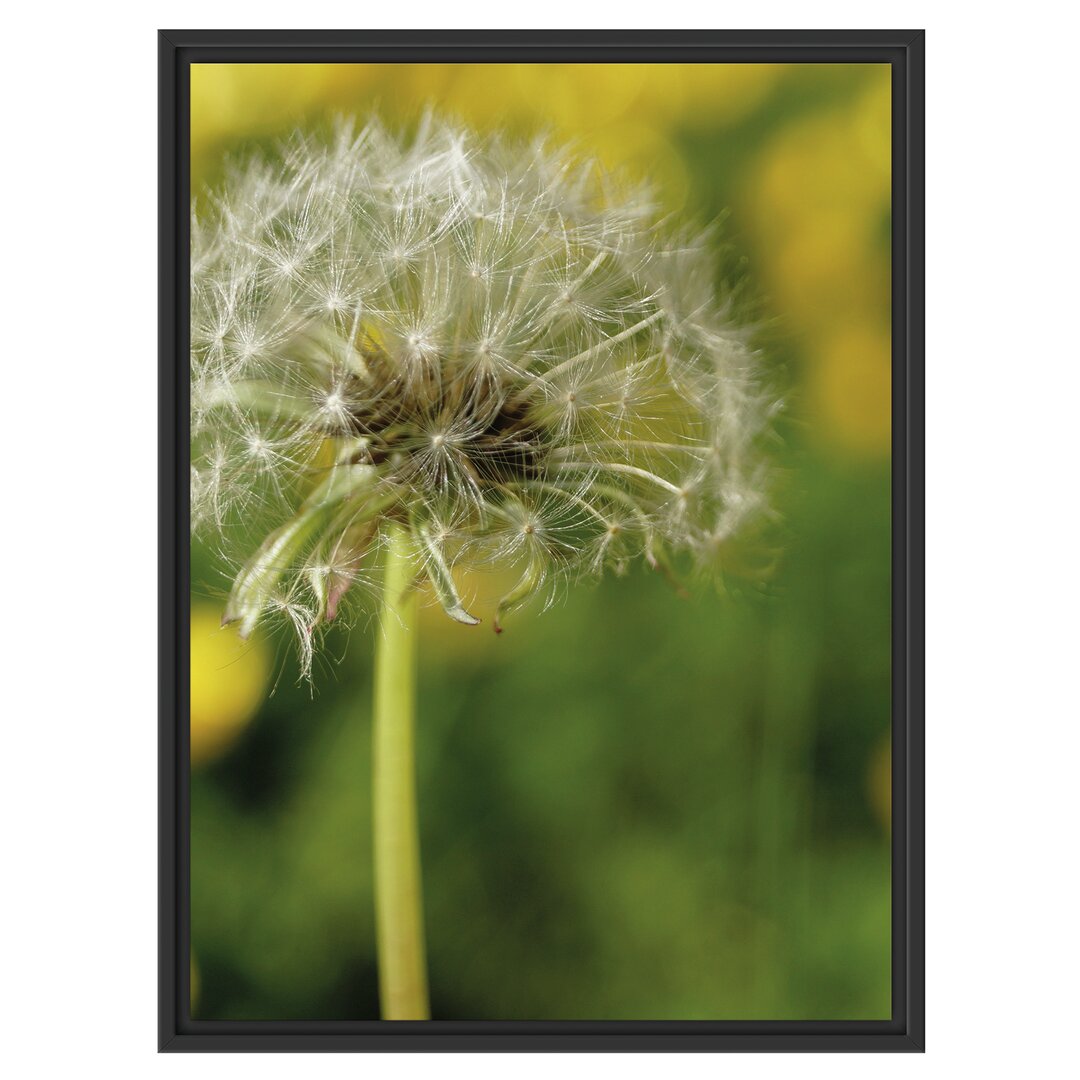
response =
{"points": [[499, 348]]}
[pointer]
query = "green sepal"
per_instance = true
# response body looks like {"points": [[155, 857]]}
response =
{"points": [[527, 586], [441, 579], [260, 398], [254, 585]]}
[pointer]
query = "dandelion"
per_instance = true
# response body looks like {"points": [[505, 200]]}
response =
{"points": [[418, 355]]}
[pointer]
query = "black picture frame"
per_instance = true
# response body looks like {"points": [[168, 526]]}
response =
{"points": [[904, 51]]}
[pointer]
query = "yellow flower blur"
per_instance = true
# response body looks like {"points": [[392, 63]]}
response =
{"points": [[606, 105], [821, 199], [228, 680]]}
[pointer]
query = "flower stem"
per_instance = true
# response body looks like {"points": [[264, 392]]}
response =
{"points": [[399, 923]]}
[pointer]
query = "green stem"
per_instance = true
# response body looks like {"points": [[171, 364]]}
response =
{"points": [[399, 922]]}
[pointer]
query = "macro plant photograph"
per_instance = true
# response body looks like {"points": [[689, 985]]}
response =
{"points": [[541, 540]]}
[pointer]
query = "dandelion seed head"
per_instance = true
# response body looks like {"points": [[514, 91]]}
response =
{"points": [[498, 344]]}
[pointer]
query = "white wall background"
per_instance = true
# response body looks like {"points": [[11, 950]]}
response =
{"points": [[77, 423]]}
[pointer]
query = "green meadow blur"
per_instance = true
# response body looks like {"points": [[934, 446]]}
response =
{"points": [[634, 805]]}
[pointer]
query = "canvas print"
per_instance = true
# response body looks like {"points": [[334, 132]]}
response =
{"points": [[541, 540]]}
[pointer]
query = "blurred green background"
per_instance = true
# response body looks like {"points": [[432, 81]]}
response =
{"points": [[633, 806]]}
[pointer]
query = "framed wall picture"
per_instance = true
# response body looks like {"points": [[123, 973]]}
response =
{"points": [[541, 540]]}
